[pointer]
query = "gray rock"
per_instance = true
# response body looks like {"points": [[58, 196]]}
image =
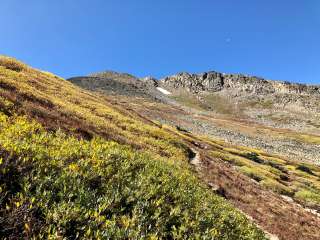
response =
{"points": [[214, 81]]}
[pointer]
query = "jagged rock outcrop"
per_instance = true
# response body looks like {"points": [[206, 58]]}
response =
{"points": [[214, 81], [211, 81]]}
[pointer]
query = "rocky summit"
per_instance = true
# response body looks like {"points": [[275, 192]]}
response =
{"points": [[215, 81]]}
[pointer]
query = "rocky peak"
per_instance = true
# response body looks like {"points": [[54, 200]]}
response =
{"points": [[209, 81], [215, 81]]}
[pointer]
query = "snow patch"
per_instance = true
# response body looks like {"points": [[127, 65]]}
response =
{"points": [[163, 91]]}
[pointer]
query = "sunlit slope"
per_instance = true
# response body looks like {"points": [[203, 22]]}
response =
{"points": [[56, 103], [267, 186], [75, 166]]}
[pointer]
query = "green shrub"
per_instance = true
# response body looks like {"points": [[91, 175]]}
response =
{"points": [[304, 168], [70, 188], [275, 186], [254, 157], [252, 173], [308, 196]]}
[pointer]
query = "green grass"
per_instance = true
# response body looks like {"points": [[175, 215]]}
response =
{"points": [[264, 104], [189, 100], [305, 138], [212, 102], [221, 105]]}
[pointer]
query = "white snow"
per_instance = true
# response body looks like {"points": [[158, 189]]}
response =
{"points": [[166, 92]]}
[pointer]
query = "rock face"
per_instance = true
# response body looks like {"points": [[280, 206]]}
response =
{"points": [[214, 81], [211, 81], [204, 82], [238, 88]]}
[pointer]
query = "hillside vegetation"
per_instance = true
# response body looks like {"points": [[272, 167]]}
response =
{"points": [[75, 165], [268, 172]]}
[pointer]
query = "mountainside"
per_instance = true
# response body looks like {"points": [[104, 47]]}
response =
{"points": [[77, 165], [257, 129], [291, 111], [130, 158], [218, 103], [247, 90]]}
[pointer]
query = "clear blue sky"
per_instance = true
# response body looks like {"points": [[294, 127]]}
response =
{"points": [[276, 39]]}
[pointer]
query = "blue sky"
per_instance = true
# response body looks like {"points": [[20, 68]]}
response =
{"points": [[274, 39]]}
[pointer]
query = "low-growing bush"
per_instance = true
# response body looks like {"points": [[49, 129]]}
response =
{"points": [[308, 196], [277, 187], [63, 187], [304, 168], [252, 173]]}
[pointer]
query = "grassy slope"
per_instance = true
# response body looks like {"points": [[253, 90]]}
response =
{"points": [[225, 165], [298, 180], [74, 165], [301, 181]]}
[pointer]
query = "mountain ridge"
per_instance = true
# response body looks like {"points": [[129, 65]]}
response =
{"points": [[217, 81]]}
